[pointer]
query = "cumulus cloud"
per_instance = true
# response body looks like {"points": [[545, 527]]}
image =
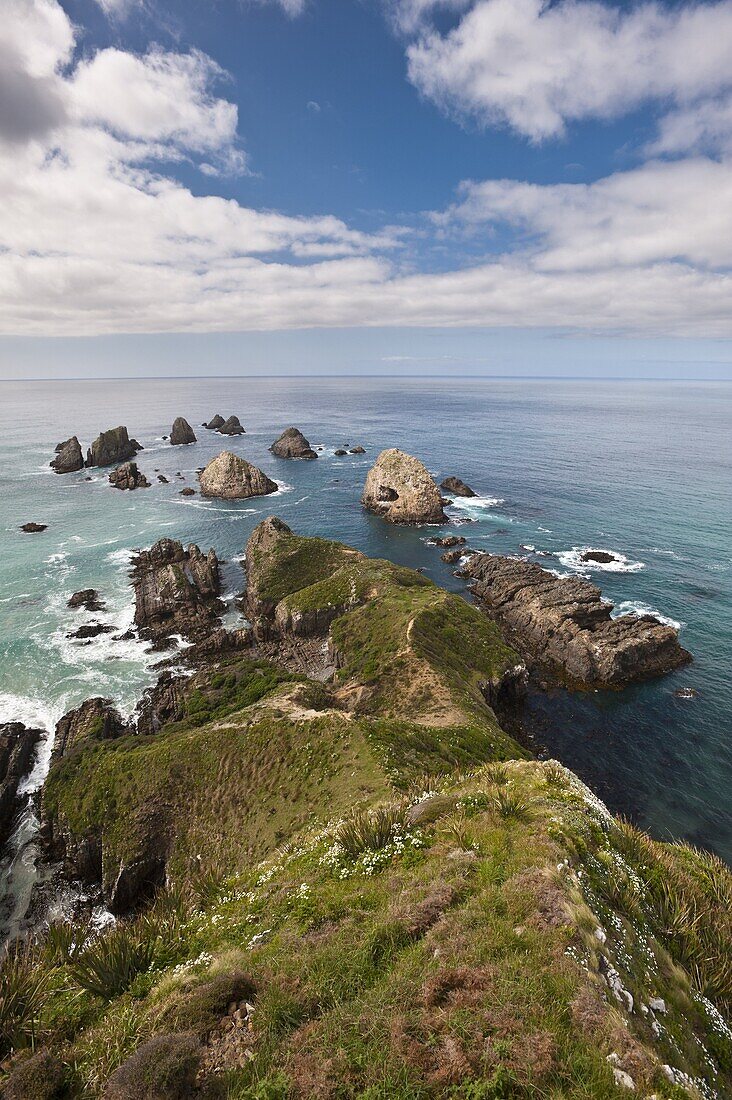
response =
{"points": [[98, 236], [536, 66], [703, 127]]}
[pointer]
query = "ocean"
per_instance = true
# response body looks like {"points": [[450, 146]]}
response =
{"points": [[642, 469]]}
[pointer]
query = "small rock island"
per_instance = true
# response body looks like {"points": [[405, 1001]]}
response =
{"points": [[233, 478], [400, 489], [292, 444]]}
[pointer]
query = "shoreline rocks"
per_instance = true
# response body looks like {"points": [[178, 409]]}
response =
{"points": [[181, 434], [176, 592], [292, 444], [69, 457], [230, 477], [17, 746], [96, 719], [128, 477], [566, 627], [232, 426], [111, 448], [457, 487], [88, 598], [33, 528], [400, 489]]}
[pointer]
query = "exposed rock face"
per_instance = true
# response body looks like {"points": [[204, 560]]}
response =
{"points": [[563, 623], [357, 451], [292, 444], [215, 423], [69, 457], [33, 528], [452, 556], [88, 598], [260, 547], [187, 492], [457, 487], [448, 541], [127, 476], [232, 426], [600, 556], [176, 591], [233, 478], [17, 744], [400, 488], [162, 703], [96, 719], [112, 447], [181, 433]]}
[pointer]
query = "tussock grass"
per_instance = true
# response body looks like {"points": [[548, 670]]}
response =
{"points": [[23, 987], [370, 830], [110, 964]]}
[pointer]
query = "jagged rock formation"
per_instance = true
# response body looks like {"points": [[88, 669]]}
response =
{"points": [[181, 433], [401, 490], [111, 448], [457, 487], [292, 444], [17, 745], [88, 598], [90, 630], [215, 423], [564, 624], [69, 457], [232, 426], [176, 591], [447, 541], [33, 528], [233, 478], [127, 476], [96, 719]]}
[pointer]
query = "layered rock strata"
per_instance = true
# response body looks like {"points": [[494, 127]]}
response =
{"points": [[565, 626]]}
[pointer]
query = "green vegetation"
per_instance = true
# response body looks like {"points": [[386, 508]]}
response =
{"points": [[372, 893]]}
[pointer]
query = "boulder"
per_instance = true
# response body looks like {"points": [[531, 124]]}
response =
{"points": [[176, 591], [400, 489], [163, 479], [457, 487], [447, 541], [600, 556], [232, 478], [112, 447], [215, 423], [127, 476], [565, 626], [90, 630], [292, 444], [452, 556], [88, 598], [17, 745], [357, 451], [181, 433], [33, 528], [187, 492], [69, 457], [96, 719], [340, 452], [232, 426]]}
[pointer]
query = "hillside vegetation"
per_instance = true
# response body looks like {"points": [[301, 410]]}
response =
{"points": [[370, 890]]}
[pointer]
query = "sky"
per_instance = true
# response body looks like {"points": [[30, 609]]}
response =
{"points": [[478, 187]]}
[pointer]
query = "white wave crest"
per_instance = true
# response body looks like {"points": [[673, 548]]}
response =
{"points": [[637, 607], [573, 559]]}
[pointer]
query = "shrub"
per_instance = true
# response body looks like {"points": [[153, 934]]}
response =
{"points": [[370, 831], [201, 1008], [23, 986], [162, 1069], [512, 804], [38, 1078], [109, 965]]}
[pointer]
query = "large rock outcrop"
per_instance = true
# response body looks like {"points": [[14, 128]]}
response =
{"points": [[127, 476], [111, 448], [215, 423], [69, 457], [457, 487], [292, 444], [565, 626], [176, 592], [232, 426], [401, 490], [96, 719], [181, 433], [233, 478], [17, 745]]}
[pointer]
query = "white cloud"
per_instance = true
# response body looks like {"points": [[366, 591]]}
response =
{"points": [[657, 212], [409, 15], [96, 235], [703, 127], [535, 66]]}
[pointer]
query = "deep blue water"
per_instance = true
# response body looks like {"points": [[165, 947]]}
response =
{"points": [[644, 469]]}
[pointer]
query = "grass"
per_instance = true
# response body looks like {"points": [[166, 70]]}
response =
{"points": [[370, 830]]}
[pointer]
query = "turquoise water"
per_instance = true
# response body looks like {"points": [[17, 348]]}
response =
{"points": [[643, 469]]}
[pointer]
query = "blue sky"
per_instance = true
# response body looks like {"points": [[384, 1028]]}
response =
{"points": [[372, 186]]}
